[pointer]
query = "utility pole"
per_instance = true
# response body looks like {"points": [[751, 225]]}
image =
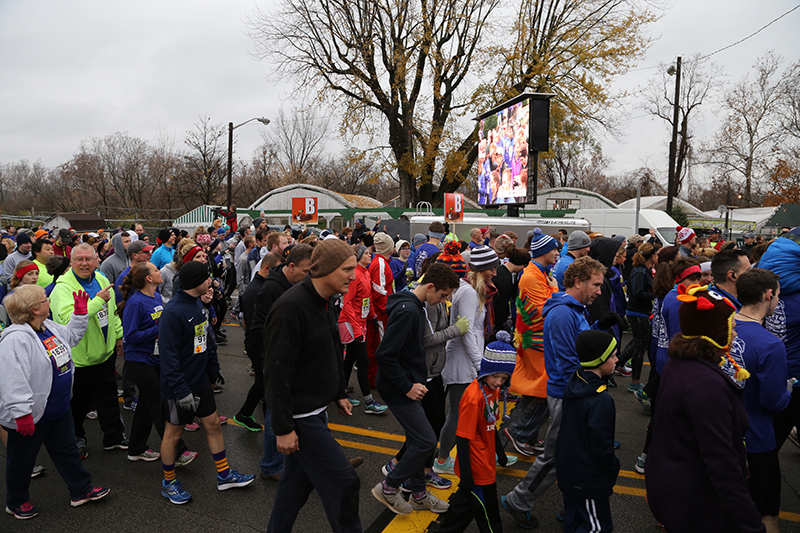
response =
{"points": [[673, 146]]}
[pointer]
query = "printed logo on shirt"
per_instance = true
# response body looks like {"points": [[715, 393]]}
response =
{"points": [[776, 323], [738, 347], [494, 406], [364, 307], [156, 314]]}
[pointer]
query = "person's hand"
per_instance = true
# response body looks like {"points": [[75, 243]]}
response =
{"points": [[552, 282], [217, 378], [81, 299], [287, 444], [189, 402], [118, 348], [611, 319], [206, 298], [463, 324], [790, 384], [25, 426], [105, 294], [345, 407], [417, 391]]}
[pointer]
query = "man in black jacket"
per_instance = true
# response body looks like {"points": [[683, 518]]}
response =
{"points": [[303, 373]]}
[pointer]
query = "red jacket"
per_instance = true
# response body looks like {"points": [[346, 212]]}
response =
{"points": [[382, 285], [356, 303]]}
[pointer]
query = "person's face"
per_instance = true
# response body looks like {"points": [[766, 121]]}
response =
{"points": [[550, 258], [339, 280], [744, 266], [691, 280], [25, 248], [283, 242], [405, 251], [714, 237], [434, 296], [748, 241], [366, 258], [30, 278], [495, 381], [580, 253], [203, 287], [141, 257], [13, 231], [46, 253], [154, 275], [42, 309], [607, 368], [146, 238], [706, 278], [295, 273], [263, 225], [588, 291], [476, 236], [126, 240], [488, 274], [83, 262], [171, 240], [139, 229], [201, 257]]}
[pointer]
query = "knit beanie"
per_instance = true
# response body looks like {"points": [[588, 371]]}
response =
{"points": [[257, 222], [419, 239], [452, 257], [399, 244], [594, 347], [192, 274], [328, 256], [360, 252], [685, 234], [578, 240], [23, 238], [542, 243], [499, 356], [384, 245], [483, 258]]}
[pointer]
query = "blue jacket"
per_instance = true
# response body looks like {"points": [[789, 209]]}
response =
{"points": [[162, 256], [401, 354], [140, 327], [561, 267], [188, 349], [670, 326], [586, 465], [564, 318], [785, 324]]}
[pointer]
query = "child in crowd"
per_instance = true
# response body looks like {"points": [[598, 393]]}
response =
{"points": [[586, 465], [478, 443]]}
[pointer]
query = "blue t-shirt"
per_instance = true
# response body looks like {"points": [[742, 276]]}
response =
{"points": [[764, 356], [162, 256], [423, 252], [61, 389], [140, 326], [785, 324], [118, 284]]}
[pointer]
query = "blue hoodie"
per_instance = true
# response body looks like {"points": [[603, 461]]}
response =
{"points": [[564, 318]]}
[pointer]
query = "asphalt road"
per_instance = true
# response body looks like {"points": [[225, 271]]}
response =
{"points": [[135, 503]]}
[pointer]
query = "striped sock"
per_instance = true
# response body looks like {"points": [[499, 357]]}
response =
{"points": [[222, 464], [169, 472], [368, 399]]}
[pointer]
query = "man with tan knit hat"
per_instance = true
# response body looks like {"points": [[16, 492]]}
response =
{"points": [[382, 286], [303, 373]]}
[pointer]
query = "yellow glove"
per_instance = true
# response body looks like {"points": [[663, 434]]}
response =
{"points": [[463, 324]]}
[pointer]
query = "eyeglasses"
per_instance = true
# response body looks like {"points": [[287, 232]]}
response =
{"points": [[44, 301], [82, 259]]}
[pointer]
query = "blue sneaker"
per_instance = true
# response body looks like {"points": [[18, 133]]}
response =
{"points": [[432, 479], [234, 479], [174, 492]]}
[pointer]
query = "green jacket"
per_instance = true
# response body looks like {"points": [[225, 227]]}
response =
{"points": [[93, 348]]}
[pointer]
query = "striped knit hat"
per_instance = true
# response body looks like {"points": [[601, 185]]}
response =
{"points": [[499, 356], [483, 258], [452, 257], [541, 243]]}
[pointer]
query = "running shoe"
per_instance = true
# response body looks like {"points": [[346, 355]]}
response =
{"points": [[524, 519], [539, 446], [186, 458], [223, 419], [122, 445], [37, 471], [174, 492], [353, 401], [95, 494], [446, 467], [234, 480], [252, 371], [218, 389], [612, 382], [23, 511], [639, 466], [247, 422], [522, 447], [394, 501], [429, 503], [793, 437], [375, 408], [356, 461], [388, 467], [511, 397], [148, 456], [82, 451], [510, 460], [616, 444], [623, 371], [91, 415], [644, 399], [194, 426], [131, 406], [633, 387], [432, 479]]}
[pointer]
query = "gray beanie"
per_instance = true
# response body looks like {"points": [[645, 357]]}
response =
{"points": [[578, 240], [419, 238]]}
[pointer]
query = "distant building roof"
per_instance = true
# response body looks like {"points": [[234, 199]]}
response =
{"points": [[660, 202], [280, 198], [786, 215], [80, 222]]}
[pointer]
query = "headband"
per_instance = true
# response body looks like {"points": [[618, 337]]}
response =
{"points": [[24, 270], [191, 253], [694, 269]]}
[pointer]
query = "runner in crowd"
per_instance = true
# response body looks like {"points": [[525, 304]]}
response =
{"points": [[22, 253], [41, 251], [577, 246], [640, 306], [380, 274]]}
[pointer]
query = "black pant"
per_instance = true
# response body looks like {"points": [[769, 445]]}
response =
{"points": [[356, 352], [96, 385], [433, 405], [652, 391], [319, 464], [784, 421], [640, 345], [479, 504], [584, 516], [148, 410], [256, 392]]}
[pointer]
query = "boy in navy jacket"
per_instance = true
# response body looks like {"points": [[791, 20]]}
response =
{"points": [[586, 465]]}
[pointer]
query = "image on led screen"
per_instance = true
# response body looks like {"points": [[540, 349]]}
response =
{"points": [[503, 140]]}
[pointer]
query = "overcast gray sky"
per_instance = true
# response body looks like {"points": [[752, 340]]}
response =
{"points": [[76, 69]]}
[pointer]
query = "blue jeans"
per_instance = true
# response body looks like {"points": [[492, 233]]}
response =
{"points": [[420, 444], [272, 462], [58, 436]]}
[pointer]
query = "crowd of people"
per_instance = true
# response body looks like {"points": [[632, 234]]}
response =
{"points": [[449, 334]]}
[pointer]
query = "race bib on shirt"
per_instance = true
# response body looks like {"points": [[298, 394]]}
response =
{"points": [[102, 316], [364, 307], [58, 353], [201, 337]]}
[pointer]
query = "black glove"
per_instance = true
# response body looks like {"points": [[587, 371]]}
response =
{"points": [[216, 377], [610, 320], [502, 459], [464, 467]]}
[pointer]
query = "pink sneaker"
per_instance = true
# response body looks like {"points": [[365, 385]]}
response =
{"points": [[223, 419], [192, 427]]}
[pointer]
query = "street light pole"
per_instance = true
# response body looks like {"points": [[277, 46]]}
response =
{"points": [[231, 127], [673, 146]]}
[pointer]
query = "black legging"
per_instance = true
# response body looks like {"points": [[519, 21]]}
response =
{"points": [[356, 352], [640, 345], [256, 392]]}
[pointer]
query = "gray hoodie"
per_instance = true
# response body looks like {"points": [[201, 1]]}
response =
{"points": [[27, 375], [113, 266], [436, 337]]}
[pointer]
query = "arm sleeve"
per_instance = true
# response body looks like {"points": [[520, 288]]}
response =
{"points": [[467, 305], [772, 375], [170, 347], [62, 304], [15, 390], [74, 331], [398, 329], [439, 337], [132, 317], [279, 370]]}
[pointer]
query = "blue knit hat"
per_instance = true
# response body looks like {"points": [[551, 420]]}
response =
{"points": [[541, 243], [499, 356]]}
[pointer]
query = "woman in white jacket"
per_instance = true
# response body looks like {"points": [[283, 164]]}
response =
{"points": [[464, 353], [35, 392]]}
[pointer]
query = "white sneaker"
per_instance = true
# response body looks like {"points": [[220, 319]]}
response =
{"points": [[394, 502], [447, 467], [429, 503], [793, 437]]}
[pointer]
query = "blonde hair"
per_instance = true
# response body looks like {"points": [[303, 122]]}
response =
{"points": [[21, 303], [182, 247]]}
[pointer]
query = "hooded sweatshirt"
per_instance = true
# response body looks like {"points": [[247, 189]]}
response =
{"points": [[464, 353], [113, 265], [586, 465], [27, 377], [401, 354], [564, 318], [605, 250]]}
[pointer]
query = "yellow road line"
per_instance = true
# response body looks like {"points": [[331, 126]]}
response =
{"points": [[367, 432]]}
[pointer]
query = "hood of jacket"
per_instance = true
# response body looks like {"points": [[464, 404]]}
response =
{"points": [[584, 383], [604, 250], [399, 298], [561, 298], [120, 256]]}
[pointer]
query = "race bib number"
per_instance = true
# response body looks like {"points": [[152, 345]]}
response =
{"points": [[201, 337], [58, 352], [364, 307], [102, 316]]}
